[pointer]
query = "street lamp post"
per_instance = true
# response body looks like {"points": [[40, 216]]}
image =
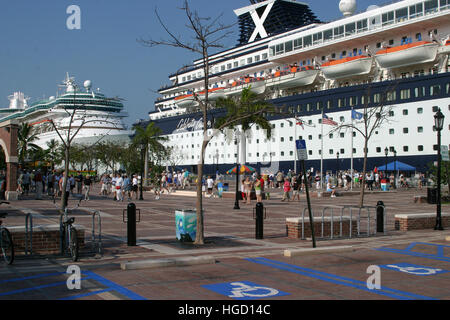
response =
{"points": [[438, 125], [217, 161], [386, 152], [337, 164], [395, 168], [141, 197], [236, 200]]}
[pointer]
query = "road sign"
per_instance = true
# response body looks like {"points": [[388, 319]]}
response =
{"points": [[444, 153], [301, 149], [244, 290]]}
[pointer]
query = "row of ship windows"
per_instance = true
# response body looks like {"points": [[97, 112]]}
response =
{"points": [[388, 18], [310, 137], [405, 112], [227, 66], [379, 150], [391, 96]]}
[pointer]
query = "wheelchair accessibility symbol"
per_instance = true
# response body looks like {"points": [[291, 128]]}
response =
{"points": [[414, 269], [242, 290], [245, 290]]}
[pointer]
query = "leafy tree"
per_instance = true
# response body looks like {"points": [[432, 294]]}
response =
{"points": [[25, 144], [149, 137], [445, 173], [53, 153]]}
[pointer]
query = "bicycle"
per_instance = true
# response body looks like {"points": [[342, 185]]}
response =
{"points": [[6, 243], [69, 236]]}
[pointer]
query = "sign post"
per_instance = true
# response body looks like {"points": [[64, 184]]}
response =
{"points": [[302, 156]]}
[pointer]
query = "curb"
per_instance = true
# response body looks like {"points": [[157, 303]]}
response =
{"points": [[169, 262], [308, 251]]}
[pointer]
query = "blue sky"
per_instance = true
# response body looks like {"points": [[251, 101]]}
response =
{"points": [[37, 48]]}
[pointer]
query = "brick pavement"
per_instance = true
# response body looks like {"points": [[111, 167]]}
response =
{"points": [[230, 238]]}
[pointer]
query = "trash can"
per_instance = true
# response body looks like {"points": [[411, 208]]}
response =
{"points": [[432, 195], [186, 225]]}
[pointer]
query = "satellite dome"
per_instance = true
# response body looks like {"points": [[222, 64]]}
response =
{"points": [[372, 7], [347, 7], [88, 84]]}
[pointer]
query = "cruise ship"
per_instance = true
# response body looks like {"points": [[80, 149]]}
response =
{"points": [[101, 118], [396, 54]]}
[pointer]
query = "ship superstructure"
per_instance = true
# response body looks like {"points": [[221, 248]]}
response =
{"points": [[396, 54], [100, 118]]}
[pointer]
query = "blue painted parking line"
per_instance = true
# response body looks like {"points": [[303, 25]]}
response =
{"points": [[93, 293], [87, 275], [32, 277], [409, 251], [49, 285], [335, 279], [114, 286]]}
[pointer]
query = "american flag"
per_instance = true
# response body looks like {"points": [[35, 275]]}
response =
{"points": [[299, 122], [326, 120]]}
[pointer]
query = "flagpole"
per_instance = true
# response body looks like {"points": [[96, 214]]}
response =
{"points": [[351, 152], [295, 139], [321, 155]]}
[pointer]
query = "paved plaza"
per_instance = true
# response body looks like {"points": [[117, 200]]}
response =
{"points": [[413, 264]]}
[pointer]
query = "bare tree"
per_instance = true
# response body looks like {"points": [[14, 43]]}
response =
{"points": [[78, 117], [207, 34], [372, 119]]}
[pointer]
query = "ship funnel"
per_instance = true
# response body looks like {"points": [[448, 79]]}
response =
{"points": [[18, 101]]}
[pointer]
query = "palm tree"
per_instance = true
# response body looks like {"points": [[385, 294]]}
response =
{"points": [[25, 143], [53, 153], [150, 137]]}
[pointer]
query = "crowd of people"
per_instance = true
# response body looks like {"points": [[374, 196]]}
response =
{"points": [[52, 182], [257, 186]]}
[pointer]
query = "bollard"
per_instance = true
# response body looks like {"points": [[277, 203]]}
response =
{"points": [[259, 228], [131, 225], [380, 216]]}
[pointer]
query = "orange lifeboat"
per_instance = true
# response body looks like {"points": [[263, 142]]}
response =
{"points": [[294, 77], [347, 67], [407, 54], [256, 85]]}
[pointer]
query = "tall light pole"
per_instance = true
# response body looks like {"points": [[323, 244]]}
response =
{"points": [[236, 200], [217, 162], [386, 152], [337, 164], [142, 171], [395, 168], [438, 125]]}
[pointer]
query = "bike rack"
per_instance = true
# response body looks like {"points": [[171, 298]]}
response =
{"points": [[370, 210], [29, 233]]}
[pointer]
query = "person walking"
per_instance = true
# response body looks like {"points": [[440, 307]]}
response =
{"points": [[258, 189], [119, 188], [296, 188], [79, 182], [286, 189], [210, 185], [87, 182], [134, 187], [26, 182], [38, 183], [248, 189]]}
